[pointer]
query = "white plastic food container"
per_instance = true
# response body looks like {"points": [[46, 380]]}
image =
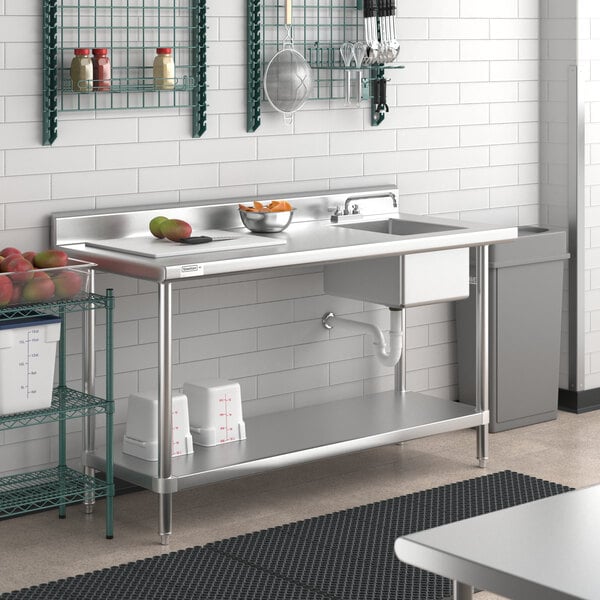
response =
{"points": [[215, 411], [141, 433], [27, 357]]}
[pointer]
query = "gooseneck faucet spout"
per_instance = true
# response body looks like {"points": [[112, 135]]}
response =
{"points": [[351, 199]]}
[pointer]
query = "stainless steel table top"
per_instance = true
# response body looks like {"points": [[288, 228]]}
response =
{"points": [[310, 239], [543, 550]]}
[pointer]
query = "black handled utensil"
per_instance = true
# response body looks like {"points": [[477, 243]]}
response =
{"points": [[380, 96], [204, 239]]}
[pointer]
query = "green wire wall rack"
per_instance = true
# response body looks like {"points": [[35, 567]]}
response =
{"points": [[319, 28], [131, 30], [59, 486]]}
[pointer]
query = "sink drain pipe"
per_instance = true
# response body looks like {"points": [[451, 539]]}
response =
{"points": [[387, 355]]}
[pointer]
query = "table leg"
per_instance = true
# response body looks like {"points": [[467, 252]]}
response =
{"points": [[89, 380], [482, 400], [164, 408], [461, 591], [400, 369], [110, 411]]}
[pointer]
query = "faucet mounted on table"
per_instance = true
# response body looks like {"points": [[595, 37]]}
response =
{"points": [[346, 214]]}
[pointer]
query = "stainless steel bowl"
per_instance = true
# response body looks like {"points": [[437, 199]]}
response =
{"points": [[266, 222]]}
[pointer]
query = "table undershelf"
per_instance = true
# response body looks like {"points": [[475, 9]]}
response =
{"points": [[281, 439]]}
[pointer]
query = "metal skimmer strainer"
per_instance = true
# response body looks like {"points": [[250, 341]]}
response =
{"points": [[288, 77]]}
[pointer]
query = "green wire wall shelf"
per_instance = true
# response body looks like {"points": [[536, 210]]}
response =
{"points": [[60, 486], [319, 28], [131, 30]]}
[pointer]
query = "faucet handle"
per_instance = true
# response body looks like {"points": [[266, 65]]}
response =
{"points": [[355, 209]]}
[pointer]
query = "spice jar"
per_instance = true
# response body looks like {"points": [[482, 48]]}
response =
{"points": [[101, 69], [82, 73], [164, 69]]}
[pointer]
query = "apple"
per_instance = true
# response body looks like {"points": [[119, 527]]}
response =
{"points": [[8, 251], [50, 259], [17, 291], [175, 229], [39, 288], [67, 284], [20, 269], [6, 290], [155, 227]]}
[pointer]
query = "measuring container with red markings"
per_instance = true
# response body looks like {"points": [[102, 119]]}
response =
{"points": [[141, 433], [215, 407]]}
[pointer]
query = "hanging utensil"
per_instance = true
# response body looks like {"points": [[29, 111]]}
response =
{"points": [[383, 13], [371, 31], [380, 97], [383, 32], [394, 43], [347, 53], [288, 77], [359, 52]]}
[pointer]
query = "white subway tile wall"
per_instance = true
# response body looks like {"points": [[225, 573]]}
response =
{"points": [[589, 42], [460, 140]]}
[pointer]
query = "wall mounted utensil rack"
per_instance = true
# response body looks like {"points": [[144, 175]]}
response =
{"points": [[59, 486], [131, 30], [319, 28]]}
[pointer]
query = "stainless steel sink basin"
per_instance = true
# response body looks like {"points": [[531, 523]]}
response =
{"points": [[406, 280], [401, 227]]}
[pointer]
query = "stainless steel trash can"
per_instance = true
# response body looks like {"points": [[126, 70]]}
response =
{"points": [[526, 294]]}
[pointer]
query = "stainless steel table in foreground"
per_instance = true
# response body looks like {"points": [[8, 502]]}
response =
{"points": [[300, 435], [543, 550]]}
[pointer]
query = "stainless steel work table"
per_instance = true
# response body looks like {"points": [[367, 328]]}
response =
{"points": [[542, 550], [285, 438]]}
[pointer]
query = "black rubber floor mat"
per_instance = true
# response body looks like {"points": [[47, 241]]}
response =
{"points": [[350, 554], [347, 555], [192, 574]]}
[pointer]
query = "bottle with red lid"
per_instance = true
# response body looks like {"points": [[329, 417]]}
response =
{"points": [[101, 69], [163, 69], [82, 73]]}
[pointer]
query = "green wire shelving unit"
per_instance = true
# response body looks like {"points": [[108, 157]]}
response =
{"points": [[319, 28], [131, 30], [60, 486]]}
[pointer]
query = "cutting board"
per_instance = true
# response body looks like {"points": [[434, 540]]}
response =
{"points": [[152, 247]]}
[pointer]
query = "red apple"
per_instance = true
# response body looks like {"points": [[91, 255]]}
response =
{"points": [[6, 290], [67, 284], [39, 289], [7, 261], [17, 291], [29, 256], [20, 269], [8, 251]]}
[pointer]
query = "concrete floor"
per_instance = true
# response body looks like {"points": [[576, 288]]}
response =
{"points": [[38, 548]]}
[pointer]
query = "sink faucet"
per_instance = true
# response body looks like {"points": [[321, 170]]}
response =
{"points": [[355, 209], [351, 199]]}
